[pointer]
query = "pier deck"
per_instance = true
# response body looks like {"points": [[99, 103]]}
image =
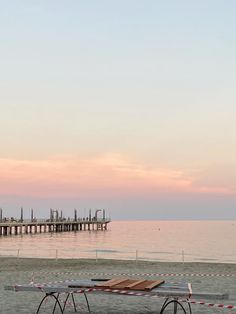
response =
{"points": [[45, 225]]}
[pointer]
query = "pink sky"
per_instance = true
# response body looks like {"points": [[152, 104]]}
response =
{"points": [[68, 176]]}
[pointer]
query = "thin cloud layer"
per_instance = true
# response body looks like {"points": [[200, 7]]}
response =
{"points": [[111, 175]]}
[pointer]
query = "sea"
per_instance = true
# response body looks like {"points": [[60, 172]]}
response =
{"points": [[164, 241]]}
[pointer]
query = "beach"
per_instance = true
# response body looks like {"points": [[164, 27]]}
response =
{"points": [[25, 270]]}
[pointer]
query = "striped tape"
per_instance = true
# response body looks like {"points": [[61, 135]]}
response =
{"points": [[138, 274], [223, 306], [143, 294]]}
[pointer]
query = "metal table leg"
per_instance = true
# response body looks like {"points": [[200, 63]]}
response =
{"points": [[73, 300], [176, 304], [56, 302], [87, 301]]}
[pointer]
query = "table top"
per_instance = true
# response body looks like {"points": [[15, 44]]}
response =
{"points": [[167, 289]]}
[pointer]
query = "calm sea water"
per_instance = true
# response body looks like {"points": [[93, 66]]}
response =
{"points": [[198, 241]]}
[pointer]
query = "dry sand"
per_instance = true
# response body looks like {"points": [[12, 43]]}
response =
{"points": [[19, 271]]}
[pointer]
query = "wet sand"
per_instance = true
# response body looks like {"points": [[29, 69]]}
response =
{"points": [[23, 270]]}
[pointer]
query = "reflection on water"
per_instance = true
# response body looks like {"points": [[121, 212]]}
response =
{"points": [[205, 241]]}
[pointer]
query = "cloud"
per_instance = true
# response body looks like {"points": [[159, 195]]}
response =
{"points": [[220, 178], [105, 175]]}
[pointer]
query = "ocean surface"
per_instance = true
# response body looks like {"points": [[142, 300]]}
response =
{"points": [[178, 241]]}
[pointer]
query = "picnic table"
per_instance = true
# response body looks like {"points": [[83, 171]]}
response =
{"points": [[174, 295]]}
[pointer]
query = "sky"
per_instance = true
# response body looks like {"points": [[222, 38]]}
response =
{"points": [[124, 105]]}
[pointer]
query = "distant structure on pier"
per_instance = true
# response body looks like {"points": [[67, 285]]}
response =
{"points": [[55, 223]]}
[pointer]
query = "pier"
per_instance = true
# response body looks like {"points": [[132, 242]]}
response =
{"points": [[55, 223]]}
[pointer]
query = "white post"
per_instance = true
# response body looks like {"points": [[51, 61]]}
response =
{"points": [[136, 256], [96, 256], [18, 253], [56, 254], [183, 256]]}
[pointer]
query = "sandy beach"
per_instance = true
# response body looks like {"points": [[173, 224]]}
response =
{"points": [[19, 271]]}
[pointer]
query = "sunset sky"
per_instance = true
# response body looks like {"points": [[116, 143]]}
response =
{"points": [[124, 105]]}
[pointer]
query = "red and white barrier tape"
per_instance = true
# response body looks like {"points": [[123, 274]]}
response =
{"points": [[223, 306], [137, 274], [144, 294], [133, 293]]}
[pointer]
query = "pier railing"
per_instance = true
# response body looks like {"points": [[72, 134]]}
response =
{"points": [[38, 221]]}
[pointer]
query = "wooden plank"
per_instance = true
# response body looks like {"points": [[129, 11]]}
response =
{"points": [[154, 284], [135, 283], [142, 285], [132, 284], [111, 282], [123, 284]]}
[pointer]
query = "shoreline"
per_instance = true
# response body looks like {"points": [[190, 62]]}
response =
{"points": [[31, 263]]}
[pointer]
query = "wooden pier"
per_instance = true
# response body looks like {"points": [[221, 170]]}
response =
{"points": [[53, 224]]}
